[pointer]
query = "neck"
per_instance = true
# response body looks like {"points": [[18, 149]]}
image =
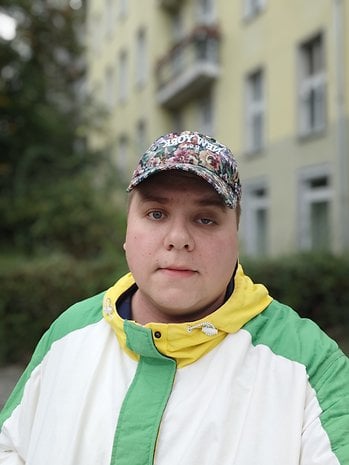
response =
{"points": [[145, 311]]}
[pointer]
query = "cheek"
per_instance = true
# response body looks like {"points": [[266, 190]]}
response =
{"points": [[138, 246], [223, 253], [133, 255], [133, 235]]}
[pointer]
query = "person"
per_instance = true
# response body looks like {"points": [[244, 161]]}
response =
{"points": [[184, 360]]}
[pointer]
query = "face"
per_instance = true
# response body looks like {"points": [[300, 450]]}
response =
{"points": [[181, 247]]}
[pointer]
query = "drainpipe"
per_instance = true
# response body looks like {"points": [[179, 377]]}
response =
{"points": [[341, 123]]}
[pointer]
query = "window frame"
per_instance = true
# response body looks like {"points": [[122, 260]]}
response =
{"points": [[109, 18], [252, 204], [252, 8], [123, 76], [255, 109], [205, 105], [141, 58], [206, 15], [141, 135], [122, 153], [109, 89], [308, 196], [310, 86]]}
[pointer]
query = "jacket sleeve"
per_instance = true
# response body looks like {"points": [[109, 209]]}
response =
{"points": [[17, 418], [325, 438], [8, 452], [18, 415]]}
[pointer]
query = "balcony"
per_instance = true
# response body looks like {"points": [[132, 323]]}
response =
{"points": [[189, 68]]}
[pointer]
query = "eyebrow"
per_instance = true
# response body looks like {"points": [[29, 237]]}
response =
{"points": [[206, 201]]}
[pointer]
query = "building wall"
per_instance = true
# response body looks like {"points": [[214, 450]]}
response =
{"points": [[296, 193]]}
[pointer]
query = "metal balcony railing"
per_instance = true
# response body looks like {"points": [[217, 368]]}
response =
{"points": [[189, 67]]}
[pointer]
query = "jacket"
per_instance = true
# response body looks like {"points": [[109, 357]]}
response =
{"points": [[251, 383]]}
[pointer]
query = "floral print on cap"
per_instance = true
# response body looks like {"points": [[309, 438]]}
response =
{"points": [[196, 153]]}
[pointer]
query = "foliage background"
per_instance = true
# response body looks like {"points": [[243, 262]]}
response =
{"points": [[55, 193], [61, 203]]}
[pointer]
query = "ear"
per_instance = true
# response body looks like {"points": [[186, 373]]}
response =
{"points": [[238, 215], [124, 246]]}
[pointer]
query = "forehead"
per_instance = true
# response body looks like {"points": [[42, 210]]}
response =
{"points": [[173, 181]]}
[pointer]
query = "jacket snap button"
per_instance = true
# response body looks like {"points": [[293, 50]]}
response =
{"points": [[157, 334]]}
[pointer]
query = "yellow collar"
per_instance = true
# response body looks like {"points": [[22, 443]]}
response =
{"points": [[187, 342]]}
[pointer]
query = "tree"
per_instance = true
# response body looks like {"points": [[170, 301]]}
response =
{"points": [[49, 194]]}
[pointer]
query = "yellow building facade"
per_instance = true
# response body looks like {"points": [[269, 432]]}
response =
{"points": [[268, 78]]}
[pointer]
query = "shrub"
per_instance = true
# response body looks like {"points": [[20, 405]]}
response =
{"points": [[34, 293], [316, 286]]}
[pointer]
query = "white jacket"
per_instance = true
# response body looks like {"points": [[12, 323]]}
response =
{"points": [[250, 384]]}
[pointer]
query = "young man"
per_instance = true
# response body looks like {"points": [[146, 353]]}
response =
{"points": [[184, 360]]}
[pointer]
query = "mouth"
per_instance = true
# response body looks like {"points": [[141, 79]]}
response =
{"points": [[177, 271]]}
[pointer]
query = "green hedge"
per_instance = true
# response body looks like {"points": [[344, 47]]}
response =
{"points": [[33, 293], [316, 286]]}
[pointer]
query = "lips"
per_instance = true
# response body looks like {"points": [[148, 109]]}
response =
{"points": [[175, 270]]}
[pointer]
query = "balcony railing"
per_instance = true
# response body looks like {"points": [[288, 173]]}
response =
{"points": [[189, 68]]}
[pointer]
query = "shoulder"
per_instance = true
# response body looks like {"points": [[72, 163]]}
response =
{"points": [[298, 339], [81, 315], [287, 334], [325, 366]]}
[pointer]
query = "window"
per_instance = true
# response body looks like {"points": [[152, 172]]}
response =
{"points": [[123, 77], [177, 31], [206, 49], [177, 120], [312, 92], [141, 135], [206, 11], [122, 10], [205, 114], [256, 219], [95, 30], [253, 7], [109, 88], [177, 27], [122, 155], [109, 17], [141, 58], [255, 112], [96, 90], [315, 210]]}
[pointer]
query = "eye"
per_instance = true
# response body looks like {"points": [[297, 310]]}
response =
{"points": [[205, 221], [155, 215]]}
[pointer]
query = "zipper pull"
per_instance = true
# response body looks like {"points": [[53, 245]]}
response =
{"points": [[207, 328]]}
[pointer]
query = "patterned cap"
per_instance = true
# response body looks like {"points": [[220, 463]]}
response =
{"points": [[195, 153]]}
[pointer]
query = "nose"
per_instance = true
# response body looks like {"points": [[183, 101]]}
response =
{"points": [[179, 236]]}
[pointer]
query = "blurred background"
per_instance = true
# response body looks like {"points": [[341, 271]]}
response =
{"points": [[86, 86]]}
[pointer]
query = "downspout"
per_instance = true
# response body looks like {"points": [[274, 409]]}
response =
{"points": [[341, 123]]}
